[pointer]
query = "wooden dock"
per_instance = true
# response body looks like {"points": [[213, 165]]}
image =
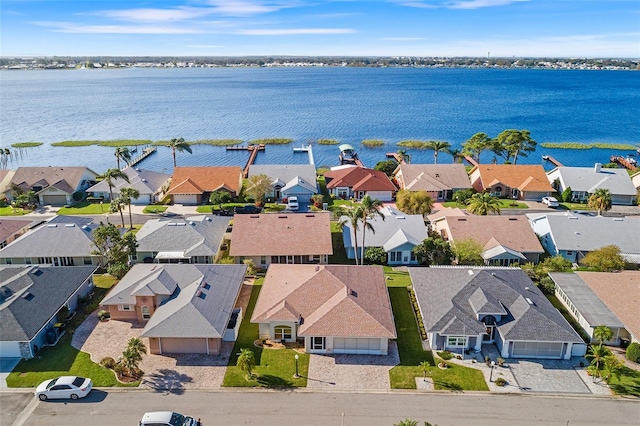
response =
{"points": [[145, 153], [471, 160], [624, 162], [253, 153], [308, 150], [396, 157], [552, 160]]}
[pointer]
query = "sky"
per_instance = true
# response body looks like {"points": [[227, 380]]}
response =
{"points": [[477, 28]]}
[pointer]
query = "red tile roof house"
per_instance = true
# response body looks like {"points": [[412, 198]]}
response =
{"points": [[506, 240], [357, 182], [339, 309], [522, 182], [53, 185], [193, 185], [281, 238]]}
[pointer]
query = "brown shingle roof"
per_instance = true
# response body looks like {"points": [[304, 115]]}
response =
{"points": [[620, 291], [360, 179], [66, 179], [331, 300], [524, 177], [10, 227], [281, 234], [196, 180], [511, 231], [434, 177]]}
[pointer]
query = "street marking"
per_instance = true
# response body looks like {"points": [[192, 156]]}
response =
{"points": [[28, 410]]}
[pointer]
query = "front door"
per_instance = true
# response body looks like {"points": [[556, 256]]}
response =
{"points": [[318, 343], [490, 334]]}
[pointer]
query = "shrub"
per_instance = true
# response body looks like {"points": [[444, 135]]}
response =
{"points": [[500, 362], [446, 355], [566, 194], [219, 197], [633, 352], [375, 255], [500, 382], [547, 286], [103, 315], [108, 362]]}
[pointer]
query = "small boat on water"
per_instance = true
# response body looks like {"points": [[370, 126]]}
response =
{"points": [[348, 154]]}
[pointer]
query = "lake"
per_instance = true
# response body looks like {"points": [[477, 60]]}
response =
{"points": [[306, 104]]}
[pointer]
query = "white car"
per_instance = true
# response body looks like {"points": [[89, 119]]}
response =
{"points": [[167, 418], [65, 387], [292, 203], [550, 201]]}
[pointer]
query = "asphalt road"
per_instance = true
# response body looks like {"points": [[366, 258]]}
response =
{"points": [[116, 407]]}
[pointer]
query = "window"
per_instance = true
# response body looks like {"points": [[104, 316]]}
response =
{"points": [[413, 257], [9, 261], [459, 341], [66, 261], [86, 260], [395, 256], [44, 261], [274, 259], [569, 252], [146, 313], [125, 307], [282, 332], [263, 260]]}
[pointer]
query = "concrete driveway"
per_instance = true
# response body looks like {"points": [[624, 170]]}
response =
{"points": [[6, 366], [548, 376], [363, 372]]}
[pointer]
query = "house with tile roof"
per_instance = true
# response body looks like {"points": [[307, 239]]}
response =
{"points": [[620, 291], [53, 185], [586, 307], [506, 240], [288, 180], [281, 238], [635, 178], [12, 229], [31, 297], [194, 185], [517, 181], [464, 308], [5, 181], [183, 308], [398, 233], [356, 182], [149, 183], [574, 235], [336, 309], [440, 181], [61, 241], [193, 240], [583, 181]]}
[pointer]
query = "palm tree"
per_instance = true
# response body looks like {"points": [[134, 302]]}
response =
{"points": [[132, 354], [351, 217], [602, 333], [457, 155], [178, 144], [258, 186], [612, 366], [483, 203], [597, 355], [110, 175], [425, 367], [600, 200], [437, 146], [116, 206], [128, 194], [122, 153], [246, 360], [368, 207], [402, 154]]}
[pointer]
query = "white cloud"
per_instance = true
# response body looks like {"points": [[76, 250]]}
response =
{"points": [[157, 15], [297, 31], [402, 38], [477, 4], [70, 27], [248, 8], [206, 46]]}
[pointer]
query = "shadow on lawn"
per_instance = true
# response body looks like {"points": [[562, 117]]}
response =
{"points": [[454, 387], [271, 381]]}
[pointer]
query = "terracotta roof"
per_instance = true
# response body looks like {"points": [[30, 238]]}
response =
{"points": [[330, 300], [196, 180], [523, 177], [620, 291], [360, 179], [274, 234], [66, 179], [10, 227], [510, 231]]}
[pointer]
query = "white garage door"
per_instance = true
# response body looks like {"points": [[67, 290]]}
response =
{"points": [[183, 346], [9, 350], [54, 200], [344, 345], [536, 350], [185, 199], [380, 195]]}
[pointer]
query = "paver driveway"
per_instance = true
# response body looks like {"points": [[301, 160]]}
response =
{"points": [[352, 371], [547, 376]]}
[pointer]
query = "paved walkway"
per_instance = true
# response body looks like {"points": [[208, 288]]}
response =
{"points": [[548, 376], [362, 372]]}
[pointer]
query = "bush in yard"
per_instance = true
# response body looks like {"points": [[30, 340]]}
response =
{"points": [[547, 286], [108, 362], [375, 255], [103, 315], [500, 382], [446, 355], [566, 195], [633, 352], [219, 197]]}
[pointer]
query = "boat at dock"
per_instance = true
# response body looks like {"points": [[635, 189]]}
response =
{"points": [[348, 154]]}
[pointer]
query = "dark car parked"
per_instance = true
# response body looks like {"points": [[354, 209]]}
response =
{"points": [[223, 212], [247, 209]]}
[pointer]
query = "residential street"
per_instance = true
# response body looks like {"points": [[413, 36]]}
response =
{"points": [[122, 407]]}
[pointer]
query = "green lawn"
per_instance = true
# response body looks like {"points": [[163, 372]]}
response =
{"points": [[402, 376], [8, 211], [574, 206], [339, 256], [268, 207], [85, 207], [64, 359], [274, 367], [504, 204], [397, 278], [628, 383], [150, 209]]}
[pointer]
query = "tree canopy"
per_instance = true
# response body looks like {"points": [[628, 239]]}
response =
{"points": [[178, 144], [258, 186], [434, 251], [387, 167], [483, 203], [437, 146], [477, 143], [414, 202], [468, 252], [116, 248], [605, 259], [512, 143], [600, 200]]}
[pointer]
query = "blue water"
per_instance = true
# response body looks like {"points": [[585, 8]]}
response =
{"points": [[305, 104]]}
